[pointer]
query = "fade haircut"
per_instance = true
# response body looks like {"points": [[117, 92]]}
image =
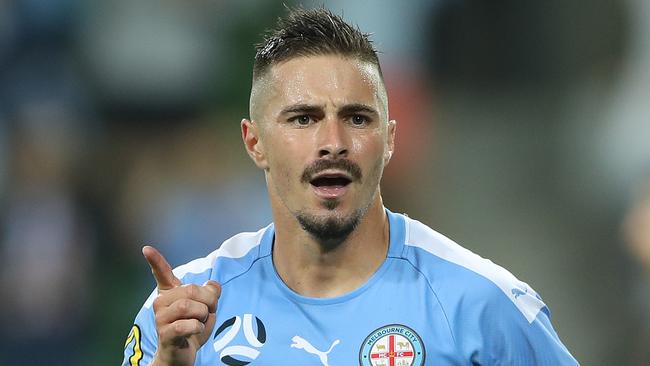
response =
{"points": [[312, 33]]}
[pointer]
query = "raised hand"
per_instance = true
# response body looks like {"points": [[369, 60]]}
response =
{"points": [[185, 314]]}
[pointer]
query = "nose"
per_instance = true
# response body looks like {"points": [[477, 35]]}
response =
{"points": [[332, 139]]}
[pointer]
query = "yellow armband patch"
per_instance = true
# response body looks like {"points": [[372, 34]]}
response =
{"points": [[134, 337]]}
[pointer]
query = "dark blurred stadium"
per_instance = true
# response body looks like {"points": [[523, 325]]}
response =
{"points": [[523, 132]]}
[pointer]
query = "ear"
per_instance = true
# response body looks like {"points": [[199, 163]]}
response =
{"points": [[254, 147], [390, 141]]}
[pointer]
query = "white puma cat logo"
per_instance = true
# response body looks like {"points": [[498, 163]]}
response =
{"points": [[301, 343]]}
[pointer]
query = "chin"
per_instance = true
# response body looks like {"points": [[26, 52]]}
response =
{"points": [[331, 205], [331, 228]]}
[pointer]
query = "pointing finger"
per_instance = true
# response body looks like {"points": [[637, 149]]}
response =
{"points": [[160, 268]]}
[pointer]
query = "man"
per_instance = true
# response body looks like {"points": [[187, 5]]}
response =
{"points": [[337, 279]]}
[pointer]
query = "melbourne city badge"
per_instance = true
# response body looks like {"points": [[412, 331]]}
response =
{"points": [[392, 345]]}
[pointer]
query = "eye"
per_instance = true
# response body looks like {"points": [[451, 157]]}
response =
{"points": [[359, 120], [302, 120]]}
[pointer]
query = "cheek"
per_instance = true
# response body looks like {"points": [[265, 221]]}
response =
{"points": [[283, 158], [375, 169], [374, 157], [369, 148], [280, 169]]}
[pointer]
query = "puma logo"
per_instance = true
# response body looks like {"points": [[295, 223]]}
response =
{"points": [[301, 343]]}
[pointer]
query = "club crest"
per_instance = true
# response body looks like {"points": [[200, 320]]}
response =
{"points": [[392, 345]]}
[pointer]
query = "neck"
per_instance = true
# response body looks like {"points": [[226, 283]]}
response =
{"points": [[312, 270]]}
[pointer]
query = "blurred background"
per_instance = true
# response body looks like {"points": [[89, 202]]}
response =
{"points": [[523, 134]]}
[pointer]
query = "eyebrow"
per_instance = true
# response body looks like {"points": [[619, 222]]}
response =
{"points": [[344, 111], [357, 108], [301, 108]]}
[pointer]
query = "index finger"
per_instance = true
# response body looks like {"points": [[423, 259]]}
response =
{"points": [[160, 269]]}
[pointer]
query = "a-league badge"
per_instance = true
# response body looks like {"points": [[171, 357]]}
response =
{"points": [[392, 345]]}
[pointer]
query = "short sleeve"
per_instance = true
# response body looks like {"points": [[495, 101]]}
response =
{"points": [[142, 341], [511, 339]]}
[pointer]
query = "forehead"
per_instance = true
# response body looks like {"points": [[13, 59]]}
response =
{"points": [[325, 79]]}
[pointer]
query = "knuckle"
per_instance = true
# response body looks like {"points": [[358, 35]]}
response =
{"points": [[192, 290], [205, 309], [179, 328], [159, 321], [183, 306], [163, 333], [157, 304], [212, 291], [197, 326]]}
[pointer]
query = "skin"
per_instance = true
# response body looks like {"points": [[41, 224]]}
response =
{"points": [[185, 315], [304, 110]]}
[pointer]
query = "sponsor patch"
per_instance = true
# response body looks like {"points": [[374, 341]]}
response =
{"points": [[239, 354]]}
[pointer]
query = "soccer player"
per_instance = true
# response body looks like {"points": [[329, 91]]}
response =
{"points": [[337, 278]]}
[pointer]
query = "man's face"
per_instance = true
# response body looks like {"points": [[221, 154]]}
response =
{"points": [[324, 139]]}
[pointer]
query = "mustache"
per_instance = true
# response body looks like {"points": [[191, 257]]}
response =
{"points": [[325, 164]]}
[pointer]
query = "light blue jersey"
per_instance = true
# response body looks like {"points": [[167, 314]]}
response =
{"points": [[431, 302]]}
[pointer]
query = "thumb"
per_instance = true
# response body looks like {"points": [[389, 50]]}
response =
{"points": [[160, 268], [207, 332], [212, 312], [215, 288]]}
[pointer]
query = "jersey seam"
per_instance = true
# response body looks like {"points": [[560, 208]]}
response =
{"points": [[442, 307], [245, 270]]}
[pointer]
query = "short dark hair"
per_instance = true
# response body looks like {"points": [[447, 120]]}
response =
{"points": [[311, 33]]}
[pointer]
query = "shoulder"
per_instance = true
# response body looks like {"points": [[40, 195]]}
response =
{"points": [[494, 317], [457, 274], [234, 257]]}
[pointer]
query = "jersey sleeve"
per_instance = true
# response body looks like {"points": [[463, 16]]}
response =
{"points": [[142, 340], [510, 338]]}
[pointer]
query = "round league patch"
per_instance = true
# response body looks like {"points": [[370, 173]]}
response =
{"points": [[392, 345]]}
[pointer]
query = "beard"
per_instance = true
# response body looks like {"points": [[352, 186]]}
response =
{"points": [[330, 231]]}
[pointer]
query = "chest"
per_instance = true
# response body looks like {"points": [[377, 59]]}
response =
{"points": [[391, 323]]}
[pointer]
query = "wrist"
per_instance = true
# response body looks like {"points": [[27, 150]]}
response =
{"points": [[156, 361], [159, 360]]}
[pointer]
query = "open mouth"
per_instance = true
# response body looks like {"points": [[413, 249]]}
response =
{"points": [[330, 181], [331, 186]]}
